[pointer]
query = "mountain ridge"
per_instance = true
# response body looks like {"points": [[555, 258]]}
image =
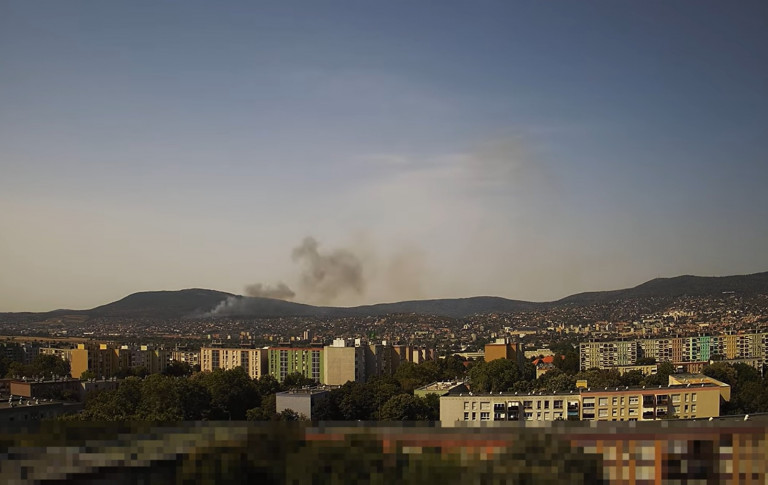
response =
{"points": [[198, 302]]}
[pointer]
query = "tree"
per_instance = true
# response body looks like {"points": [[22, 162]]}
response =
{"points": [[87, 375], [232, 392], [721, 371], [48, 365], [495, 376], [357, 402], [646, 361], [410, 375], [382, 390], [178, 369], [405, 407], [120, 404], [661, 378], [452, 367], [297, 380], [598, 378], [265, 412], [633, 378], [556, 381]]}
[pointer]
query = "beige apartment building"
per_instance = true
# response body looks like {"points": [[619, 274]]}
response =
{"points": [[469, 407], [640, 404], [686, 397], [254, 361], [343, 363]]}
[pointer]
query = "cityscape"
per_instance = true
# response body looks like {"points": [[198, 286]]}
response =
{"points": [[337, 242]]}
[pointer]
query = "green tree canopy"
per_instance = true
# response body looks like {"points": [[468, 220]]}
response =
{"points": [[495, 376], [405, 407]]}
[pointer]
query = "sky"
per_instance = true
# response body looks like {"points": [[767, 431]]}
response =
{"points": [[361, 152]]}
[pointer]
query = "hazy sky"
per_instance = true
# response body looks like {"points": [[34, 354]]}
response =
{"points": [[456, 148]]}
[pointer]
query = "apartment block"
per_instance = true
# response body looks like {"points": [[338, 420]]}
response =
{"points": [[343, 363], [191, 357], [308, 361], [503, 348], [678, 350], [254, 361], [686, 397], [469, 407]]}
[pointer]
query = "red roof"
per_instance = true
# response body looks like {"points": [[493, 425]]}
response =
{"points": [[547, 360]]}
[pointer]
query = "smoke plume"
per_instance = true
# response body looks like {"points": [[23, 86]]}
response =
{"points": [[327, 276], [277, 292]]}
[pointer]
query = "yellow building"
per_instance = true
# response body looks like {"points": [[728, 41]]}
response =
{"points": [[504, 349], [254, 361], [686, 397]]}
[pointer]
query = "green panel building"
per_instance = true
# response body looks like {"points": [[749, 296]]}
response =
{"points": [[306, 360]]}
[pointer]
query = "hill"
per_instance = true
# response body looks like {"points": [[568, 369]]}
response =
{"points": [[687, 285], [196, 303], [161, 304]]}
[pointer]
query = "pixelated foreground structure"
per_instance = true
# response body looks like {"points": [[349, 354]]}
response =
{"points": [[729, 451]]}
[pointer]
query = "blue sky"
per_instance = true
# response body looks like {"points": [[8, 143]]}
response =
{"points": [[522, 149]]}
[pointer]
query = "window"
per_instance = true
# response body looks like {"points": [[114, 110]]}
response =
{"points": [[557, 404], [615, 401], [466, 404], [474, 416], [603, 413], [527, 404], [474, 405], [603, 401], [538, 404], [622, 400], [466, 416], [693, 397], [633, 411], [693, 408], [634, 400], [484, 406], [486, 416], [613, 412], [675, 397], [546, 416], [686, 397], [546, 404]]}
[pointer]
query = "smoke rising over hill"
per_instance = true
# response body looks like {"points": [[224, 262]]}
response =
{"points": [[279, 292], [325, 277]]}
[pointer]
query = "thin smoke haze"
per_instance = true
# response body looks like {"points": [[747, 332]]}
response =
{"points": [[326, 276], [280, 291]]}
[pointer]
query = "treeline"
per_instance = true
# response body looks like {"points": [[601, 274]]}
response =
{"points": [[46, 366], [233, 395], [181, 394]]}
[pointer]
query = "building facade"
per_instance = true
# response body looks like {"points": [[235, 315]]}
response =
{"points": [[678, 350], [308, 361], [254, 361], [696, 397]]}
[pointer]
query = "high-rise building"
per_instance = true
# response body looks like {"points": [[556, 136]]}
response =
{"points": [[254, 361], [308, 361], [344, 363]]}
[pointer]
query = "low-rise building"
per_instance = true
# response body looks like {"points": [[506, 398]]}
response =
{"points": [[24, 411], [46, 389], [686, 397], [486, 407], [302, 401]]}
